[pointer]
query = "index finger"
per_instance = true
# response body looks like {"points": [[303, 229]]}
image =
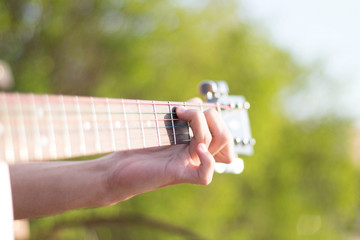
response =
{"points": [[198, 125]]}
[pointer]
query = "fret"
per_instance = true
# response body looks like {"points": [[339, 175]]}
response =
{"points": [[104, 125], [157, 124], [119, 132], [81, 127], [38, 143], [24, 150], [53, 146], [155, 128], [126, 124], [98, 146], [88, 125], [111, 125], [9, 150], [145, 125], [141, 123], [172, 122], [68, 151]]}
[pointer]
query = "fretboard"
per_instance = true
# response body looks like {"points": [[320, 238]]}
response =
{"points": [[46, 127]]}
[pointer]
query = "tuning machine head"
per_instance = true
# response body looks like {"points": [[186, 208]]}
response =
{"points": [[213, 90], [234, 112]]}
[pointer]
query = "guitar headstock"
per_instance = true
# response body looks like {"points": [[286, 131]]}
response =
{"points": [[234, 111]]}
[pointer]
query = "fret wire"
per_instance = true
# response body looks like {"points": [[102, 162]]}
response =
{"points": [[24, 151], [111, 125], [53, 148], [218, 107], [126, 125], [98, 146], [157, 123], [38, 148], [141, 123], [188, 124], [68, 150], [9, 149], [172, 123], [81, 127]]}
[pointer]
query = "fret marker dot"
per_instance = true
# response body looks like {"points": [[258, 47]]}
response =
{"points": [[117, 124], [148, 123], [87, 126]]}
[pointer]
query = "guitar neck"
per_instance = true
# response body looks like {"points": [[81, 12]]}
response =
{"points": [[46, 127]]}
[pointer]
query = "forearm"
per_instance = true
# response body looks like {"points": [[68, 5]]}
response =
{"points": [[46, 188]]}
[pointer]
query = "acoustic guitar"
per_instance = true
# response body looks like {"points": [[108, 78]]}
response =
{"points": [[50, 127]]}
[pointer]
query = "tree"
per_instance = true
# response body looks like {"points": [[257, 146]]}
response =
{"points": [[292, 188]]}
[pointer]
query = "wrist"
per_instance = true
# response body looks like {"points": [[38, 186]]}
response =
{"points": [[102, 193], [112, 179]]}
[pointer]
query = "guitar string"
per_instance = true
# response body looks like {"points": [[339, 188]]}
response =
{"points": [[68, 112], [9, 97], [73, 118], [53, 111], [60, 129], [35, 113]]}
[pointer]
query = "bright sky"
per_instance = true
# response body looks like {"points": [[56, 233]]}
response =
{"points": [[322, 30]]}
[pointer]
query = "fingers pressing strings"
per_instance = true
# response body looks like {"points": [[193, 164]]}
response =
{"points": [[199, 127]]}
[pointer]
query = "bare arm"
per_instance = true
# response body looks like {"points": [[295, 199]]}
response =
{"points": [[41, 189]]}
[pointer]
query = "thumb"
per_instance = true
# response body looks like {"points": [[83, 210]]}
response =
{"points": [[207, 163]]}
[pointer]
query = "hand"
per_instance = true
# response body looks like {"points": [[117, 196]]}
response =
{"points": [[135, 172]]}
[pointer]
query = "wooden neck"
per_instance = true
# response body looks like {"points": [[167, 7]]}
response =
{"points": [[45, 127]]}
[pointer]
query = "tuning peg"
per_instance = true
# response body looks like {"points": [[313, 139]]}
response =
{"points": [[223, 88], [208, 89], [236, 167], [213, 90], [245, 141]]}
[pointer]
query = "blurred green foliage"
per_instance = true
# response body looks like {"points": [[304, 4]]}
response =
{"points": [[300, 184]]}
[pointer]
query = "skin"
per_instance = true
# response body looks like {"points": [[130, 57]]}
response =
{"points": [[46, 188]]}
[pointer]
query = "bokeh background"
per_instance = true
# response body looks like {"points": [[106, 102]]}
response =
{"points": [[301, 183]]}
